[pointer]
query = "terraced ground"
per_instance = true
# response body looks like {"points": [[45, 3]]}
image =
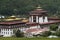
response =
{"points": [[29, 38]]}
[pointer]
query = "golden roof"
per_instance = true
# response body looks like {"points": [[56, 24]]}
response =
{"points": [[13, 16], [12, 19], [26, 20]]}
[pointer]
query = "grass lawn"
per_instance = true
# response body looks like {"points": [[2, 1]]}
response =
{"points": [[29, 38]]}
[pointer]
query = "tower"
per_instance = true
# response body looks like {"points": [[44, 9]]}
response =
{"points": [[38, 15]]}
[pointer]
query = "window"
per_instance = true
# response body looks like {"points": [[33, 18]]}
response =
{"points": [[34, 18], [8, 29], [8, 32], [9, 26], [11, 32], [43, 18], [2, 32], [2, 29]]}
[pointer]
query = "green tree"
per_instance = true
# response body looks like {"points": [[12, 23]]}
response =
{"points": [[19, 34], [16, 7], [46, 33], [53, 27]]}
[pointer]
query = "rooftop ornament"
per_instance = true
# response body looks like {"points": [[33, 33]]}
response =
{"points": [[39, 7], [38, 11]]}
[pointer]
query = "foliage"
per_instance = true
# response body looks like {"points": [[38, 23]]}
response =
{"points": [[19, 33], [46, 33], [16, 7], [58, 32], [53, 27], [53, 33], [14, 31]]}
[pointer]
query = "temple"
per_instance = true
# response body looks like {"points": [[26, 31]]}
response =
{"points": [[37, 23]]}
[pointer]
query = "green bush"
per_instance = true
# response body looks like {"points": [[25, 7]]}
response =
{"points": [[46, 33], [19, 34], [58, 33], [53, 27]]}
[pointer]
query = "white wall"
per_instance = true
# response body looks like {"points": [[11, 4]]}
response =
{"points": [[46, 19], [32, 27], [39, 26], [7, 32], [40, 19], [37, 19], [30, 18]]}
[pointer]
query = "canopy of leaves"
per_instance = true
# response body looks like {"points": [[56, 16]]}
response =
{"points": [[53, 27], [58, 32], [16, 7], [19, 33], [46, 33]]}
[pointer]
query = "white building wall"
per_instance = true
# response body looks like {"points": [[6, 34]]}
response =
{"points": [[7, 32], [40, 19], [32, 27], [46, 19], [37, 19], [32, 18], [39, 26]]}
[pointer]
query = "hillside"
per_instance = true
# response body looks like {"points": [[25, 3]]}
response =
{"points": [[19, 7]]}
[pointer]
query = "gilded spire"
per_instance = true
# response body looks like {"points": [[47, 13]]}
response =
{"points": [[38, 7]]}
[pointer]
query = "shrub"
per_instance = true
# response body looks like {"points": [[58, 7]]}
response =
{"points": [[46, 33], [58, 33], [19, 33], [53, 27]]}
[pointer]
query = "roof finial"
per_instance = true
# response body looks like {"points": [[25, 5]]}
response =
{"points": [[38, 6]]}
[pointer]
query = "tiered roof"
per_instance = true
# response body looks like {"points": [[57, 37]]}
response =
{"points": [[45, 23], [38, 11], [11, 22]]}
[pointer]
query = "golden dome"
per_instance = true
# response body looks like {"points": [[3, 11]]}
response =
{"points": [[26, 20], [39, 7], [13, 17]]}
